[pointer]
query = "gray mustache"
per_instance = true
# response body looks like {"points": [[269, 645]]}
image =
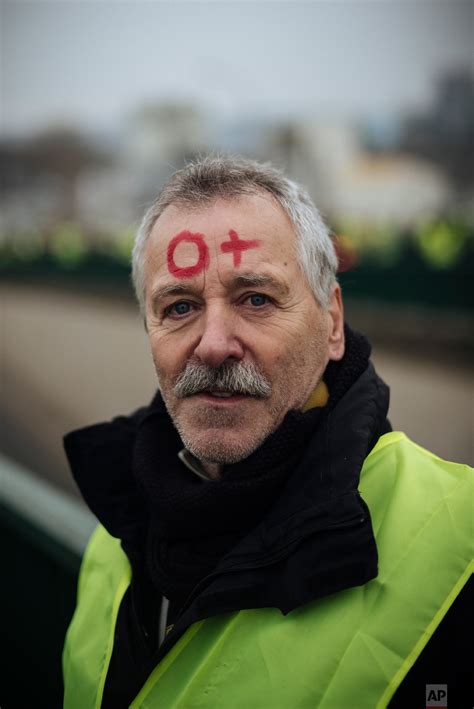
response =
{"points": [[236, 377]]}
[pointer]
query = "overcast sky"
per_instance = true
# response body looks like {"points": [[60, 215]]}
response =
{"points": [[91, 62]]}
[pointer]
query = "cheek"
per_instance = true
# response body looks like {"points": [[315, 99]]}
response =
{"points": [[163, 360], [302, 358], [286, 363]]}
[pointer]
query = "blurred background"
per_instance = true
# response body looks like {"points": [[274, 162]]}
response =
{"points": [[369, 104]]}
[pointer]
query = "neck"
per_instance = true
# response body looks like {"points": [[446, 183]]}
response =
{"points": [[214, 470]]}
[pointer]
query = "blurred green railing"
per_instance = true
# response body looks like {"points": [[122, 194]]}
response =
{"points": [[43, 533], [431, 265]]}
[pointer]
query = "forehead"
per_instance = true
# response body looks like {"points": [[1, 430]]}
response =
{"points": [[257, 216]]}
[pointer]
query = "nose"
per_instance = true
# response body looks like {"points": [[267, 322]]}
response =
{"points": [[219, 340]]}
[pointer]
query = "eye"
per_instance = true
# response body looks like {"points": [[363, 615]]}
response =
{"points": [[182, 307], [257, 300]]}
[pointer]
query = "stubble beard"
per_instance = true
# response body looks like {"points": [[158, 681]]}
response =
{"points": [[216, 435]]}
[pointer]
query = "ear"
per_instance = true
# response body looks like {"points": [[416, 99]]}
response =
{"points": [[336, 343]]}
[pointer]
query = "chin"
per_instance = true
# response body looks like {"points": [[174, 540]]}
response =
{"points": [[222, 447], [222, 435]]}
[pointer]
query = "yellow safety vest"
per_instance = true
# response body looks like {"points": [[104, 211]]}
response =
{"points": [[350, 649]]}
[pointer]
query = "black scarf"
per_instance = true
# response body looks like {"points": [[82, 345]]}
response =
{"points": [[192, 523]]}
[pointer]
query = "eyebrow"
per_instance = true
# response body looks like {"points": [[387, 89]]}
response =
{"points": [[255, 280], [169, 290]]}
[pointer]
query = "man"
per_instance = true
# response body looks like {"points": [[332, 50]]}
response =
{"points": [[236, 562]]}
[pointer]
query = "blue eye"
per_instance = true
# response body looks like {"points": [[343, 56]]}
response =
{"points": [[258, 300], [181, 308]]}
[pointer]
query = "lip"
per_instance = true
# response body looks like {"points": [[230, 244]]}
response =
{"points": [[224, 401]]}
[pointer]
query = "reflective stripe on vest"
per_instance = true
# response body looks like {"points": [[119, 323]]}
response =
{"points": [[350, 649]]}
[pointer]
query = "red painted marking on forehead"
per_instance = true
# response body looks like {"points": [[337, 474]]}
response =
{"points": [[203, 255], [236, 246]]}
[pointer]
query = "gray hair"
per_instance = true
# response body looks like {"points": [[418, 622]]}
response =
{"points": [[212, 178]]}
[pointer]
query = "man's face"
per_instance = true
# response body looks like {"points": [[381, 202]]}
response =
{"points": [[224, 288]]}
